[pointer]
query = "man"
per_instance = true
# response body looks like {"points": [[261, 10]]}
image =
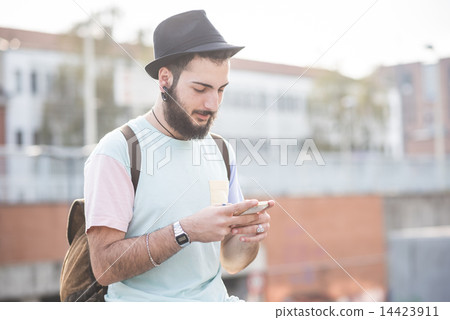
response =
{"points": [[170, 240]]}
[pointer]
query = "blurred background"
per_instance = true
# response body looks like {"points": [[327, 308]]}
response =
{"points": [[340, 111]]}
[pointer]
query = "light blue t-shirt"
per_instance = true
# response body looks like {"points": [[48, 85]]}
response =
{"points": [[177, 179]]}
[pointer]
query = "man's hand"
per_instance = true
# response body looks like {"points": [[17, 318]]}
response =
{"points": [[260, 220], [241, 247], [238, 233], [214, 223]]}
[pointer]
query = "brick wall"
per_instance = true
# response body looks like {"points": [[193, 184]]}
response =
{"points": [[349, 228], [32, 233]]}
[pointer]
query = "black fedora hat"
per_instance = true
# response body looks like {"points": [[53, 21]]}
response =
{"points": [[188, 32]]}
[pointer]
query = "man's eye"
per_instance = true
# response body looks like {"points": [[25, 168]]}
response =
{"points": [[199, 90]]}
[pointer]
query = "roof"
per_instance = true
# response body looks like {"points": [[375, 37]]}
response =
{"points": [[269, 67], [71, 42], [35, 40]]}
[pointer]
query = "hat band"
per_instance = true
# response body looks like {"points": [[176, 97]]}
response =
{"points": [[187, 45]]}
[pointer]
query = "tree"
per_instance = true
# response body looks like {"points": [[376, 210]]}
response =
{"points": [[346, 114], [63, 109], [63, 116]]}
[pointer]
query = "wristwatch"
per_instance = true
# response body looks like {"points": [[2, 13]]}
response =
{"points": [[181, 237]]}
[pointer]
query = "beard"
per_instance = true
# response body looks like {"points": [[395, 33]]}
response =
{"points": [[178, 118]]}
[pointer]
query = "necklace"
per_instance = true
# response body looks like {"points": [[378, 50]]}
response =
{"points": [[153, 111]]}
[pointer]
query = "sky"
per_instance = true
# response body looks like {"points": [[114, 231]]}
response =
{"points": [[350, 36]]}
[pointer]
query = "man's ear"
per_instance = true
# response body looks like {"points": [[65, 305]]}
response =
{"points": [[165, 78]]}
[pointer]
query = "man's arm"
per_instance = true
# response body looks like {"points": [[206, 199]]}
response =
{"points": [[115, 258]]}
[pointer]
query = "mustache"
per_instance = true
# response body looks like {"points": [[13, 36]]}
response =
{"points": [[205, 112]]}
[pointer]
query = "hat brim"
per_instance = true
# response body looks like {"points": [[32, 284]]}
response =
{"points": [[153, 67]]}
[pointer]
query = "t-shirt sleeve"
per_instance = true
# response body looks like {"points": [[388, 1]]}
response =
{"points": [[108, 193], [234, 192]]}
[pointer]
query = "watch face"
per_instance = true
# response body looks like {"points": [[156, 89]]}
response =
{"points": [[182, 239]]}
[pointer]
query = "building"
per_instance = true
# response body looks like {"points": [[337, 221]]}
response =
{"points": [[422, 88], [32, 64], [40, 71], [266, 100]]}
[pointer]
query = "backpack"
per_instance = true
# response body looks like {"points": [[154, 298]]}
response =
{"points": [[77, 282]]}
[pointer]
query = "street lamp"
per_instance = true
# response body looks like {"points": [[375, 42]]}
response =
{"points": [[89, 88]]}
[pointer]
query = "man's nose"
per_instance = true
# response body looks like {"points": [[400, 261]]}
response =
{"points": [[213, 101]]}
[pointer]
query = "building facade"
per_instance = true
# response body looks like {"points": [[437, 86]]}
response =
{"points": [[423, 89]]}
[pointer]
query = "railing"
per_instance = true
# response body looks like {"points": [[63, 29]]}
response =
{"points": [[41, 174], [49, 174]]}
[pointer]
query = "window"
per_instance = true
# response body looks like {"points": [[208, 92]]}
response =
{"points": [[18, 80], [287, 103], [36, 138], [19, 137], [430, 82], [50, 82], [255, 100], [34, 82], [408, 98], [406, 84]]}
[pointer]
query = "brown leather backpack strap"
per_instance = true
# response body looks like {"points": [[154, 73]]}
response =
{"points": [[134, 150], [75, 220], [224, 150]]}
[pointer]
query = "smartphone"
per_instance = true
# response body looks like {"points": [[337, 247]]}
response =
{"points": [[261, 206]]}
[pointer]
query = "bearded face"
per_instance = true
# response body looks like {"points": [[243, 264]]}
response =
{"points": [[178, 116]]}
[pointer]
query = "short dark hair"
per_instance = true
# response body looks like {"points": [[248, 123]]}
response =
{"points": [[180, 64]]}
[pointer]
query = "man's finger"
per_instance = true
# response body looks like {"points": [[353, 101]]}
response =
{"points": [[237, 208], [244, 220], [251, 229], [256, 238]]}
